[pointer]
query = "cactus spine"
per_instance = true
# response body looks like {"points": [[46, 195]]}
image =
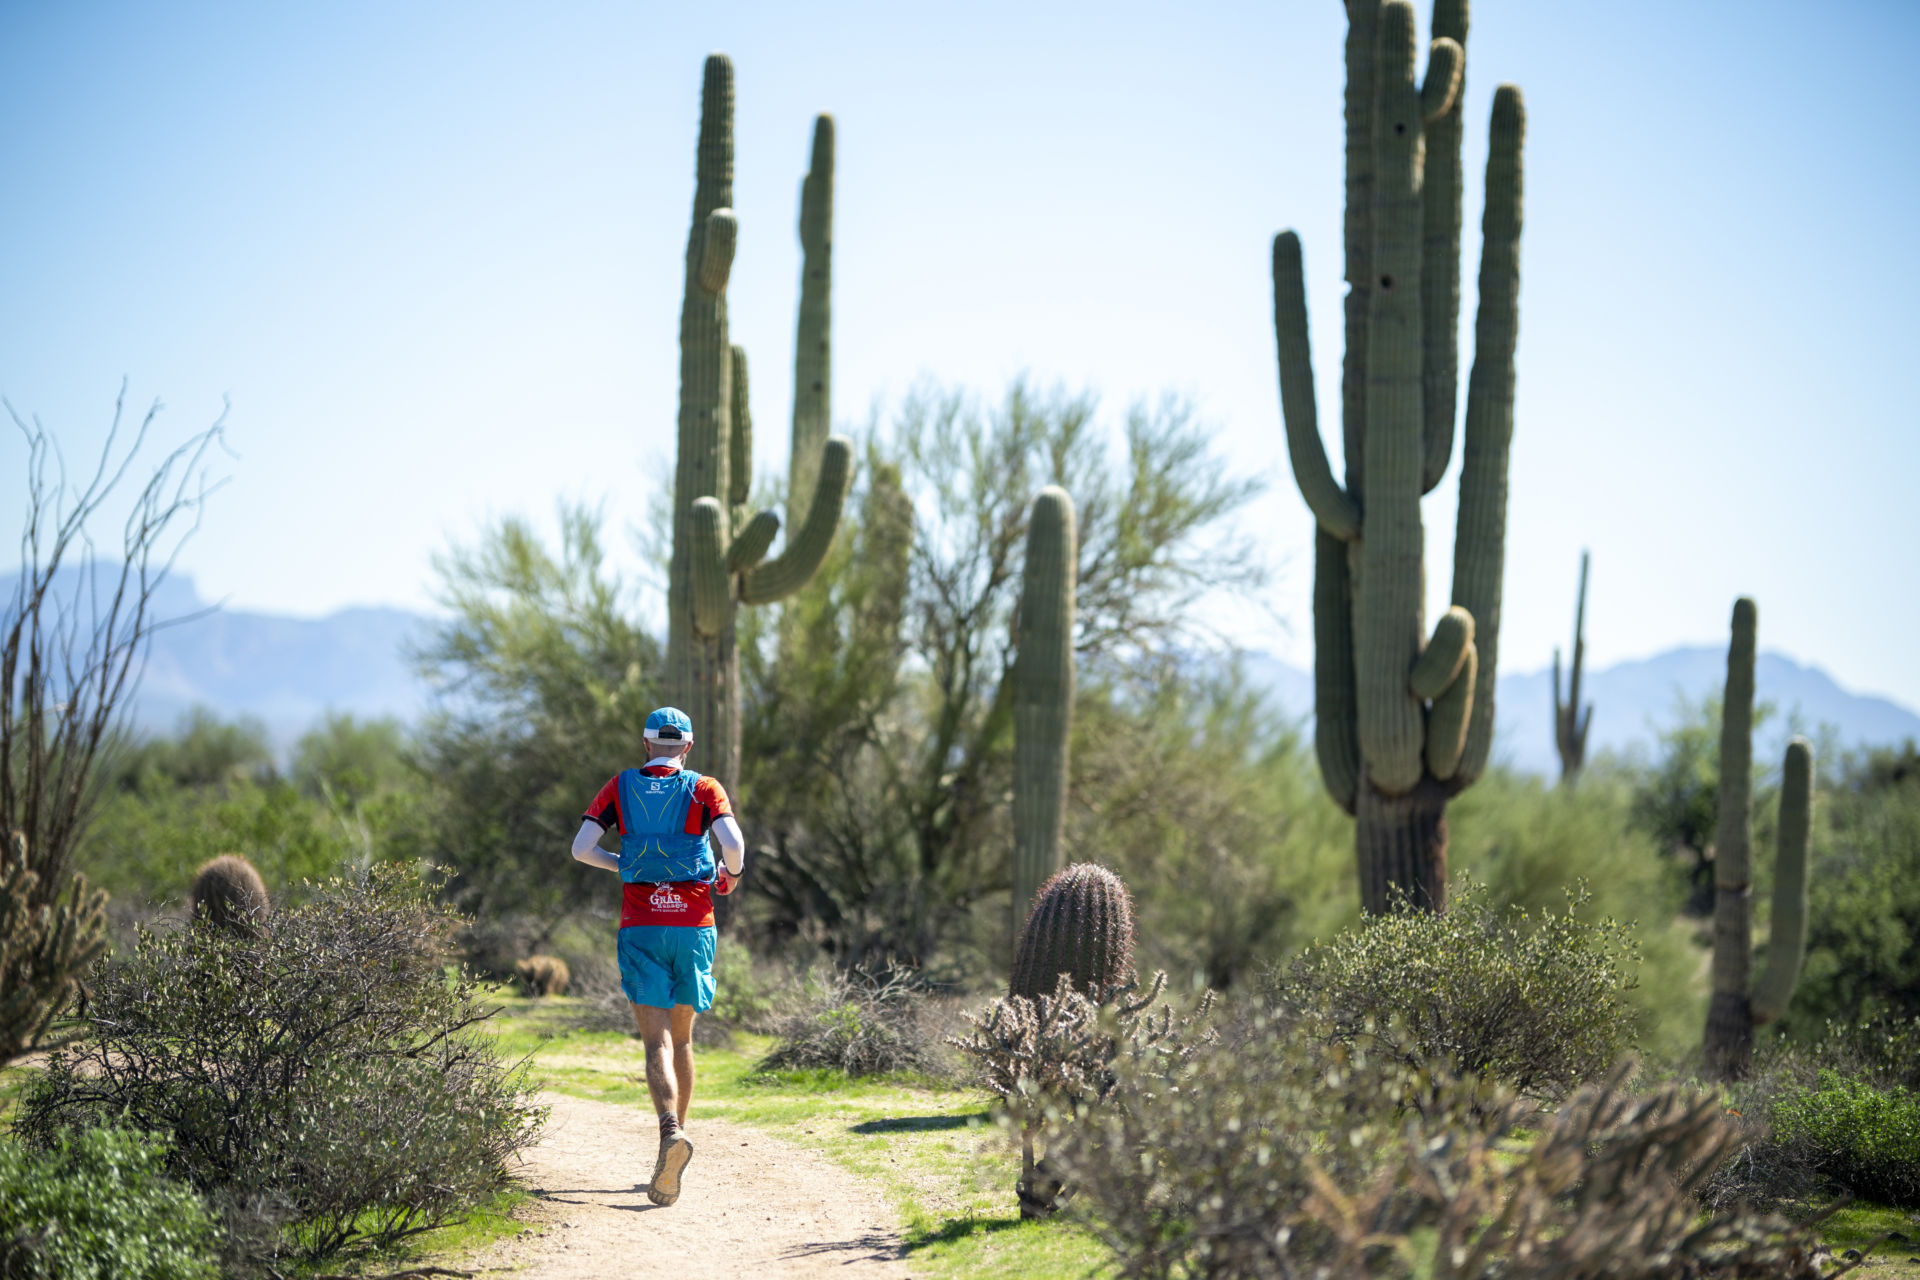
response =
{"points": [[1570, 724], [719, 550], [1403, 722], [1733, 1012], [1042, 695]]}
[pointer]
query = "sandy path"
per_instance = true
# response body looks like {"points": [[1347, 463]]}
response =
{"points": [[751, 1206]]}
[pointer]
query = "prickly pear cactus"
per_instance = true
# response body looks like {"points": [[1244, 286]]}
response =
{"points": [[1734, 1012], [719, 550], [1081, 925], [228, 893], [1404, 717], [1043, 696]]}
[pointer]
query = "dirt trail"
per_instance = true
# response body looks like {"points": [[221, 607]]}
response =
{"points": [[751, 1206]]}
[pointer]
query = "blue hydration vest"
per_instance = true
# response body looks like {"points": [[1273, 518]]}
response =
{"points": [[656, 847]]}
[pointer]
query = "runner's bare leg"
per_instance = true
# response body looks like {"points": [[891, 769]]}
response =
{"points": [[668, 1037]]}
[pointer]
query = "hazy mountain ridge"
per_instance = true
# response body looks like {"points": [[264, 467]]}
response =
{"points": [[1633, 701], [288, 672]]}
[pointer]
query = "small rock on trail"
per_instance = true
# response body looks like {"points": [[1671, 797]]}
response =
{"points": [[751, 1205]]}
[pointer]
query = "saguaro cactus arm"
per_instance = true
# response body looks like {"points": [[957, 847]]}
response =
{"points": [[1336, 714], [1787, 945], [797, 563], [1440, 186], [1329, 503], [710, 602], [1480, 533], [813, 349]]}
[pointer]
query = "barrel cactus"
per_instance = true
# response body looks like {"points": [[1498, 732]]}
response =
{"points": [[719, 559], [1404, 721], [229, 894], [1570, 723], [1042, 697], [1081, 926], [1734, 1010]]}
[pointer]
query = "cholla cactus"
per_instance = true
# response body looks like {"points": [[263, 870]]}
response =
{"points": [[45, 951], [228, 893], [1734, 1012], [718, 547], [1055, 1053], [1403, 718]]}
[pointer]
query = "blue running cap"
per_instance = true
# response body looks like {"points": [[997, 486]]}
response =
{"points": [[669, 724]]}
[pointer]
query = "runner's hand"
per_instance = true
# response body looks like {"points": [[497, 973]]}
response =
{"points": [[724, 882]]}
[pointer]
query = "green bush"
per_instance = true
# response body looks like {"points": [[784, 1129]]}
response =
{"points": [[322, 1084], [1863, 922], [97, 1205], [1538, 1001], [1864, 1138]]}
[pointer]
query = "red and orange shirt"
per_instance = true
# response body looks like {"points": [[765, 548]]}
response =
{"points": [[689, 903]]}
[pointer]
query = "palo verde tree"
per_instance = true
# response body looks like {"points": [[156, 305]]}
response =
{"points": [[719, 551], [1404, 720], [1570, 723]]}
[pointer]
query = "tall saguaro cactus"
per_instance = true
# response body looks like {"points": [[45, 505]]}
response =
{"points": [[1570, 724], [1404, 720], [1734, 1012], [1042, 696], [719, 551]]}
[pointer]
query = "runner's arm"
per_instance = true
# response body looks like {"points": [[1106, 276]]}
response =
{"points": [[733, 845], [586, 847]]}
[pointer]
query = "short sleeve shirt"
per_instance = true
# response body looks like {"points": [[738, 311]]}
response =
{"points": [[688, 904]]}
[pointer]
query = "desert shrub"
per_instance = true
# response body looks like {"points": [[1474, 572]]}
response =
{"points": [[1866, 1139], [859, 1023], [1272, 1153], [1537, 1001], [323, 1083], [97, 1205]]}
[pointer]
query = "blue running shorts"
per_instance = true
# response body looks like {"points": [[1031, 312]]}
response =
{"points": [[662, 965]]}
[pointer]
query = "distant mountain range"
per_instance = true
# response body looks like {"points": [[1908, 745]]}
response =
{"points": [[1634, 701], [288, 672]]}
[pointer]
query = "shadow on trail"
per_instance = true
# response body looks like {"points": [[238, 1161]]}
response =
{"points": [[958, 1229], [922, 1124], [874, 1245]]}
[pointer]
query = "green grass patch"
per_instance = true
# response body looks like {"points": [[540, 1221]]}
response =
{"points": [[930, 1147], [1859, 1224]]}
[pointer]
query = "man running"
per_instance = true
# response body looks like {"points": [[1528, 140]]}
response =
{"points": [[663, 813]]}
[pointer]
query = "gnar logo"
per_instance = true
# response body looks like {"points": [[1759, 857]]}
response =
{"points": [[665, 899]]}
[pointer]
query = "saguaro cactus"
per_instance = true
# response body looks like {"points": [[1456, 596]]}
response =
{"points": [[718, 549], [1570, 724], [1733, 1012], [1042, 695], [1403, 721]]}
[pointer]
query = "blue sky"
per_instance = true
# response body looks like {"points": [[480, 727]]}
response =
{"points": [[432, 254]]}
